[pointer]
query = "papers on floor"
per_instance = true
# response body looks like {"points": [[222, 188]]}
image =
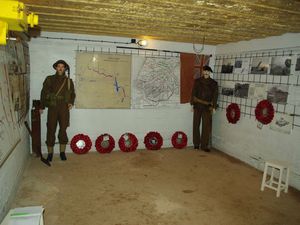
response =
{"points": [[27, 216]]}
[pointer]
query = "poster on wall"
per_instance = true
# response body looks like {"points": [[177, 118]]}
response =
{"points": [[282, 123], [103, 80], [11, 55], [241, 90], [9, 130], [260, 65], [241, 66], [21, 64], [227, 65], [257, 91], [155, 82], [278, 93], [281, 65]]}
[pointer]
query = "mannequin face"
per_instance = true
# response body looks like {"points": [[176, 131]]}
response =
{"points": [[206, 74], [60, 69]]}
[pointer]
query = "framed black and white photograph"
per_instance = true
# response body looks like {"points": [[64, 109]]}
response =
{"points": [[278, 93], [227, 66], [241, 90], [297, 67], [260, 65], [228, 88], [281, 65]]}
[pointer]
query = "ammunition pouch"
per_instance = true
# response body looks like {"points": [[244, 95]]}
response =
{"points": [[52, 100]]}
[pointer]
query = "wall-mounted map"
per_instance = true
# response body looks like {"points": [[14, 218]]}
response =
{"points": [[103, 80], [155, 82]]}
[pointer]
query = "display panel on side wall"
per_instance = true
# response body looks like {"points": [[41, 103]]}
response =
{"points": [[103, 80], [273, 75]]}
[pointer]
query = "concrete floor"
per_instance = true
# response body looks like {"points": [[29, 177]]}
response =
{"points": [[166, 187]]}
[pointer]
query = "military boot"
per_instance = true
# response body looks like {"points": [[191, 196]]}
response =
{"points": [[62, 149], [50, 153]]}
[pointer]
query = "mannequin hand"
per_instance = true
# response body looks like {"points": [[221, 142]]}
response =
{"points": [[70, 106], [212, 110]]}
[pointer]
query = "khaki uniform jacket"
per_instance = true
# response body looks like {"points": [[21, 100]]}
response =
{"points": [[52, 84]]}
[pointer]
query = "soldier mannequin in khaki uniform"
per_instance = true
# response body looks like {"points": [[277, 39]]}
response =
{"points": [[204, 100], [58, 96]]}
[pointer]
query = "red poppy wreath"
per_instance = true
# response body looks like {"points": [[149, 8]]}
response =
{"points": [[153, 141], [105, 143], [233, 113], [264, 112], [81, 144], [179, 140], [128, 142]]}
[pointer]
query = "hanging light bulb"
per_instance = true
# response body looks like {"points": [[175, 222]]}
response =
{"points": [[94, 58], [142, 43]]}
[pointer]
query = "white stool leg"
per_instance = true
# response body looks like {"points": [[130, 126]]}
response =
{"points": [[279, 183], [287, 180], [272, 177], [264, 178]]}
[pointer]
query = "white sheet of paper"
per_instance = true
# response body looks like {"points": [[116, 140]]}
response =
{"points": [[257, 91], [26, 216], [282, 123], [294, 95]]}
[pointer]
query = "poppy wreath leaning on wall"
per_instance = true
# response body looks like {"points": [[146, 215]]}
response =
{"points": [[81, 144], [105, 143], [128, 142], [264, 112], [179, 140], [153, 141], [233, 113]]}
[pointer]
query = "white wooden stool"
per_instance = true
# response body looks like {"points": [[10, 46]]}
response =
{"points": [[281, 184]]}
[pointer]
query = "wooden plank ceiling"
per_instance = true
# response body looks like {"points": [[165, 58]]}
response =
{"points": [[220, 21]]}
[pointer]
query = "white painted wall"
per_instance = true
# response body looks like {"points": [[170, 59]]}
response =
{"points": [[244, 140], [11, 172], [44, 52]]}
